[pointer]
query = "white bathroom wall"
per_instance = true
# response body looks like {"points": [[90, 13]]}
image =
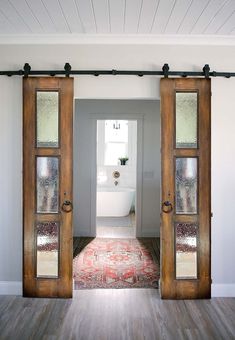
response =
{"points": [[85, 146], [127, 175]]}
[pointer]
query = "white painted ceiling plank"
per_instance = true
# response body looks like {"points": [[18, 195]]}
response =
{"points": [[213, 7], [179, 12], [72, 16], [14, 17], [55, 12], [5, 25], [220, 18], [42, 15], [87, 16], [117, 14], [133, 8], [101, 10], [29, 18], [147, 15], [227, 26], [164, 13], [187, 17], [194, 12]]}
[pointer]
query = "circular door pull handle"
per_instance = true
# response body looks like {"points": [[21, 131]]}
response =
{"points": [[67, 206], [167, 207]]}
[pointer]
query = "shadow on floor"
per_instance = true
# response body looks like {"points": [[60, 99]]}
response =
{"points": [[79, 243]]}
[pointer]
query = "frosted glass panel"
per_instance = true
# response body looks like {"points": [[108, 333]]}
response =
{"points": [[47, 119], [186, 120], [47, 184], [47, 249], [186, 185], [186, 250]]}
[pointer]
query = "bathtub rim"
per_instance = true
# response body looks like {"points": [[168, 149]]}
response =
{"points": [[115, 189]]}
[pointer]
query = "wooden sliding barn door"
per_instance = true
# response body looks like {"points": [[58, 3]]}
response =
{"points": [[186, 188], [47, 186]]}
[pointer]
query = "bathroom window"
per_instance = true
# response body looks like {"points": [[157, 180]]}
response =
{"points": [[116, 141], [113, 151], [116, 131]]}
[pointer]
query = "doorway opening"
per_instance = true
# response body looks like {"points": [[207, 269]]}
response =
{"points": [[116, 246], [116, 160]]}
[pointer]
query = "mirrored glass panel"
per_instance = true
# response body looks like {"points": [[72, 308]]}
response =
{"points": [[47, 249], [186, 250], [186, 120], [47, 184], [47, 119], [186, 185]]}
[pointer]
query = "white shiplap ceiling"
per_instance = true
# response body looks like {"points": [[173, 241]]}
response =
{"points": [[160, 17]]}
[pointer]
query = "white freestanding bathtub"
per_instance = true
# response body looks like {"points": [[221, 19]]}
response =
{"points": [[114, 201]]}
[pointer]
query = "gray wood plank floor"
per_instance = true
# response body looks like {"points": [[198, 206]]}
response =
{"points": [[120, 314]]}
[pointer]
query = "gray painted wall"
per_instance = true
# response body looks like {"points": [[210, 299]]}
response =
{"points": [[10, 179], [84, 148]]}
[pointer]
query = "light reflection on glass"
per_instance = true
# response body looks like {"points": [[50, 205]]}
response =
{"points": [[186, 185], [47, 119], [47, 249], [186, 119], [47, 184], [186, 250]]}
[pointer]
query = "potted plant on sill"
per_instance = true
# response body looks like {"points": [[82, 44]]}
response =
{"points": [[123, 160]]}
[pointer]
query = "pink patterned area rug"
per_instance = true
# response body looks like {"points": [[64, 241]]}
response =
{"points": [[116, 263]]}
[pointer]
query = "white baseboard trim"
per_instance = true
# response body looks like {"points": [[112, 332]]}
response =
{"points": [[10, 288], [223, 290]]}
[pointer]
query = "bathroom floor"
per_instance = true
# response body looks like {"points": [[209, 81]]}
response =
{"points": [[116, 227]]}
